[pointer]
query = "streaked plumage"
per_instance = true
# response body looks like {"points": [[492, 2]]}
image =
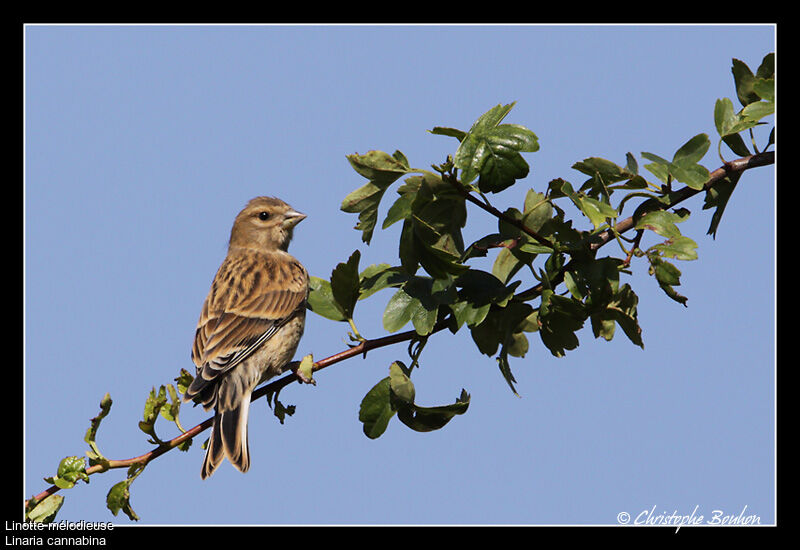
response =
{"points": [[250, 324]]}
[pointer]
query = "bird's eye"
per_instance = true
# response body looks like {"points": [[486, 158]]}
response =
{"points": [[263, 216]]}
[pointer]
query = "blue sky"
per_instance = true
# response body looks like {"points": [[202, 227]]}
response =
{"points": [[143, 142]]}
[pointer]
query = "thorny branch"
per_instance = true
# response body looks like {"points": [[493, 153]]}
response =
{"points": [[732, 167]]}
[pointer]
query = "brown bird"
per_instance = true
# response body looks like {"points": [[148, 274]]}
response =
{"points": [[250, 325]]}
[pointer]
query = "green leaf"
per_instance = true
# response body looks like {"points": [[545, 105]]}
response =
{"points": [[379, 276], [91, 433], [573, 287], [424, 319], [119, 496], [508, 230], [692, 151], [555, 188], [381, 169], [537, 210], [436, 226], [517, 344], [680, 248], [480, 248], [45, 511], [401, 158], [400, 210], [717, 197], [505, 370], [736, 144], [431, 236], [376, 410], [279, 410], [427, 419], [767, 67], [602, 327], [661, 222], [184, 380], [683, 167], [492, 151], [596, 210], [630, 164], [71, 469], [659, 167], [559, 318], [506, 264], [595, 280], [667, 276], [452, 132], [724, 115], [625, 305], [603, 174], [636, 182], [424, 307], [609, 171], [321, 300], [364, 201], [674, 295], [743, 79], [171, 410], [727, 123], [407, 251], [469, 313], [152, 408], [306, 367], [398, 311], [345, 284], [693, 176], [621, 309], [560, 233], [479, 287], [758, 110], [499, 327], [400, 384], [765, 88], [420, 419]]}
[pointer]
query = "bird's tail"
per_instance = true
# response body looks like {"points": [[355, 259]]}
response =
{"points": [[229, 439]]}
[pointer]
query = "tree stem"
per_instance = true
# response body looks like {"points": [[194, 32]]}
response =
{"points": [[732, 167]]}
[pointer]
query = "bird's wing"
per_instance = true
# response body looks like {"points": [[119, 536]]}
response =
{"points": [[252, 296]]}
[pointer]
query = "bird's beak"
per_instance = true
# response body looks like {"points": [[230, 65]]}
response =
{"points": [[292, 218]]}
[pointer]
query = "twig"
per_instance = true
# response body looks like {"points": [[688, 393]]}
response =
{"points": [[732, 167], [735, 166], [635, 245], [362, 348], [495, 212]]}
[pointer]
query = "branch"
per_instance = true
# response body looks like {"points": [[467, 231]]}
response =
{"points": [[495, 212], [733, 167], [272, 387]]}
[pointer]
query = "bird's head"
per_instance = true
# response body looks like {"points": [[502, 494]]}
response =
{"points": [[265, 223]]}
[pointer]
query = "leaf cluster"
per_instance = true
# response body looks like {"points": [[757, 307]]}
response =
{"points": [[395, 394], [435, 284], [434, 281], [756, 94], [164, 403]]}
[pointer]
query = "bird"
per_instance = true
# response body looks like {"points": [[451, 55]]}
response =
{"points": [[250, 325]]}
